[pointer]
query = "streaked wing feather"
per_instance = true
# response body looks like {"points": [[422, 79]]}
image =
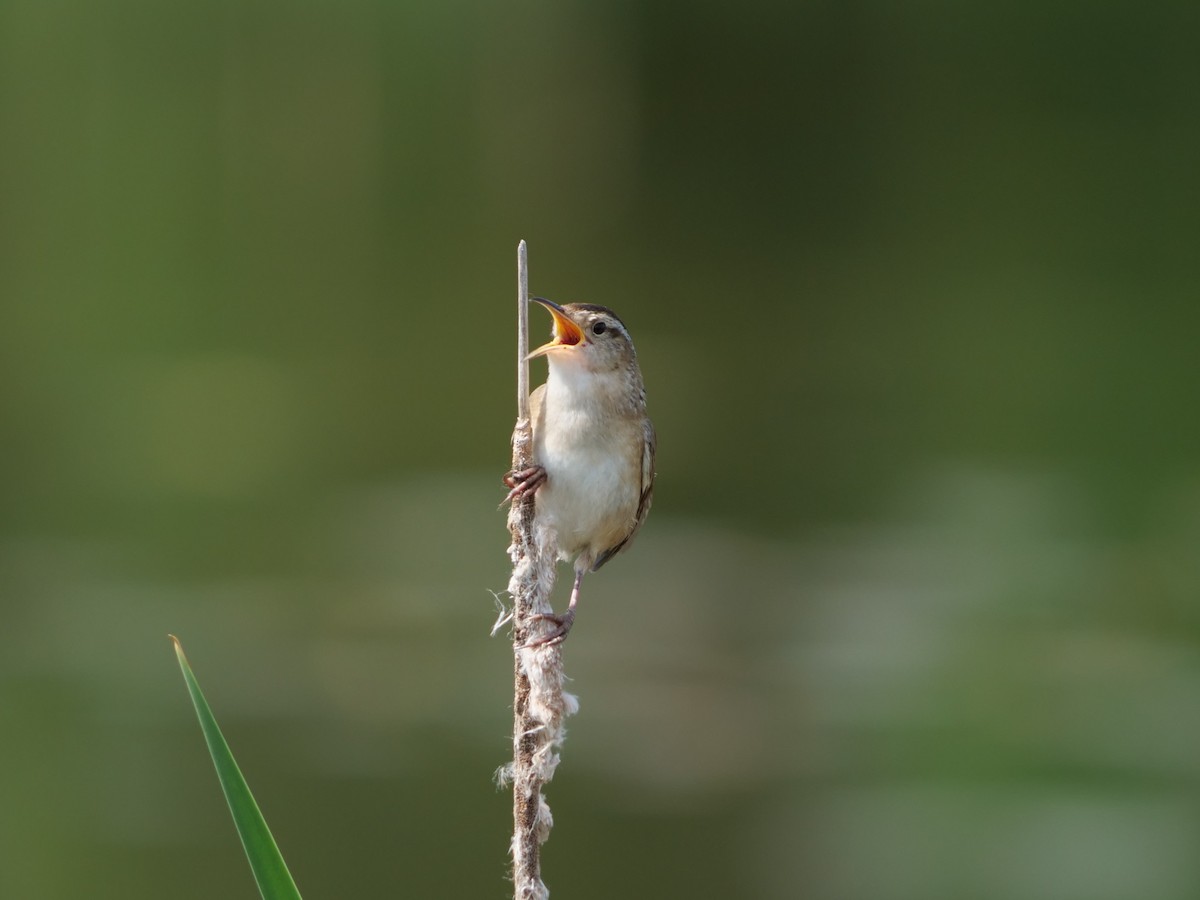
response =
{"points": [[649, 446]]}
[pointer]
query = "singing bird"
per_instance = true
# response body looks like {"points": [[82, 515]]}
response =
{"points": [[593, 445]]}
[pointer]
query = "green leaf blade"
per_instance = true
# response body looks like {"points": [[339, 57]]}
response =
{"points": [[266, 862]]}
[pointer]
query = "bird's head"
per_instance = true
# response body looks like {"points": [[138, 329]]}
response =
{"points": [[586, 335]]}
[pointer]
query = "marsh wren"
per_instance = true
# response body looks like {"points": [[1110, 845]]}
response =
{"points": [[593, 445]]}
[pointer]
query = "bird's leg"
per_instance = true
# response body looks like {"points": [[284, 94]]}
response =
{"points": [[563, 623], [524, 482]]}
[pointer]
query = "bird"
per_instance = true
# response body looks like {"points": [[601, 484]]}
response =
{"points": [[593, 445]]}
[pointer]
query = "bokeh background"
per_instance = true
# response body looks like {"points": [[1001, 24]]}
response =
{"points": [[915, 289]]}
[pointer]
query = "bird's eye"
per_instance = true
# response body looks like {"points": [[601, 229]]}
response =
{"points": [[599, 328]]}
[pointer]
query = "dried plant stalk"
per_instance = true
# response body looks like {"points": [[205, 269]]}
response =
{"points": [[539, 703]]}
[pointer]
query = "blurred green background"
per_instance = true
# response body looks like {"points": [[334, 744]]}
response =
{"points": [[915, 289]]}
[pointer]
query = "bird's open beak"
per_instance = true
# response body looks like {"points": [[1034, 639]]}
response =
{"points": [[566, 333]]}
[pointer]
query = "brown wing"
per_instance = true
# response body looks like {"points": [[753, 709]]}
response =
{"points": [[648, 449], [649, 446]]}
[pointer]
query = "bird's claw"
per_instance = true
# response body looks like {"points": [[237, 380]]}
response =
{"points": [[556, 635], [526, 481]]}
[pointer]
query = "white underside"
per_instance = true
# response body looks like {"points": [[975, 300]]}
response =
{"points": [[593, 474]]}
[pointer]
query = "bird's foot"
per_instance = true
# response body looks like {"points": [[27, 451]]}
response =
{"points": [[523, 482], [556, 635]]}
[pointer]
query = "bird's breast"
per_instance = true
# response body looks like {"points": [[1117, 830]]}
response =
{"points": [[593, 476]]}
